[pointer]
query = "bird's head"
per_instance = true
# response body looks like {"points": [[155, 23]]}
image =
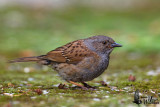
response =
{"points": [[101, 44]]}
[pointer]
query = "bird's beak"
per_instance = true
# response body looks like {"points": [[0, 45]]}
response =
{"points": [[115, 45]]}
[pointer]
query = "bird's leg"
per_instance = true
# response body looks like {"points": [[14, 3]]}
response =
{"points": [[83, 87], [86, 85]]}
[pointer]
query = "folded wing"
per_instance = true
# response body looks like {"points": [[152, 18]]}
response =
{"points": [[72, 53]]}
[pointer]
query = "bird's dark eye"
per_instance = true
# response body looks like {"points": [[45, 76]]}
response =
{"points": [[104, 42]]}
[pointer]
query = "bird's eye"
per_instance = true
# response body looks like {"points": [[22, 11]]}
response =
{"points": [[104, 42]]}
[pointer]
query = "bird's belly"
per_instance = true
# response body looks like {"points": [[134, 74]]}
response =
{"points": [[68, 72], [80, 72], [95, 70], [89, 75]]}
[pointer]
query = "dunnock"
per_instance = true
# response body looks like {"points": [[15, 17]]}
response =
{"points": [[78, 61]]}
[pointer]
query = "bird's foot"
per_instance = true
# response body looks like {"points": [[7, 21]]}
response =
{"points": [[88, 86], [85, 87]]}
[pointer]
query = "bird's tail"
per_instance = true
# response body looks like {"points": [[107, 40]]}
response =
{"points": [[29, 59]]}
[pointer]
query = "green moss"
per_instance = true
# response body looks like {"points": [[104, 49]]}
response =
{"points": [[119, 91]]}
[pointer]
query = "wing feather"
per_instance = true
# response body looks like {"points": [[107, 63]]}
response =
{"points": [[72, 52]]}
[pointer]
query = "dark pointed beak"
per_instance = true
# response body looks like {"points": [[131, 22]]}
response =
{"points": [[115, 45]]}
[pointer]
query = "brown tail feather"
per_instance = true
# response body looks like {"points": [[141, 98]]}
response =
{"points": [[28, 59]]}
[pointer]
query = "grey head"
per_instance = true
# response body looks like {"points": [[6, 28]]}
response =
{"points": [[101, 44]]}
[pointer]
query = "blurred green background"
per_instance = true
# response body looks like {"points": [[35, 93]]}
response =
{"points": [[41, 28], [34, 27]]}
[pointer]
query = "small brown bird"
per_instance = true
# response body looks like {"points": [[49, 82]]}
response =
{"points": [[78, 61]]}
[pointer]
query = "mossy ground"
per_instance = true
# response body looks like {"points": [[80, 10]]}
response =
{"points": [[40, 87]]}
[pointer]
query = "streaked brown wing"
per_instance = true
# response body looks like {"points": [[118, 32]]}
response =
{"points": [[70, 53]]}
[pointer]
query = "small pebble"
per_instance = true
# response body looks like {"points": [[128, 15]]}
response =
{"points": [[106, 96], [96, 99], [8, 94], [34, 97], [30, 79], [45, 92], [26, 70], [151, 73]]}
